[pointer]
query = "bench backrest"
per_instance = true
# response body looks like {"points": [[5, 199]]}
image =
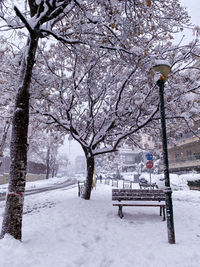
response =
{"points": [[138, 195]]}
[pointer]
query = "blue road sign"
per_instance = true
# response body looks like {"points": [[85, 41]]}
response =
{"points": [[149, 156]]}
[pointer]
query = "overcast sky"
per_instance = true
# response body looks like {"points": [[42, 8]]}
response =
{"points": [[193, 8]]}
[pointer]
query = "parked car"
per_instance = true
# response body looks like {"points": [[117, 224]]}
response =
{"points": [[143, 183]]}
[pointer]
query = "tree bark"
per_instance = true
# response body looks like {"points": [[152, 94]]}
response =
{"points": [[90, 171], [47, 163], [12, 220], [4, 137]]}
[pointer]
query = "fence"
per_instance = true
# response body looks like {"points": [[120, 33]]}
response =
{"points": [[30, 177], [81, 188], [127, 184], [107, 181], [115, 183]]}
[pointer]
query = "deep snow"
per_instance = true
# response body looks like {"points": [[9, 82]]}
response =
{"points": [[60, 229]]}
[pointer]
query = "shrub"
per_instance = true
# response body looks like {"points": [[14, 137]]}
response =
{"points": [[194, 183]]}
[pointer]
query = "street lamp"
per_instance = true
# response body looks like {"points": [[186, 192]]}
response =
{"points": [[164, 69]]}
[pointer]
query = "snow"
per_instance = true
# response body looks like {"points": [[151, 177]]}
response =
{"points": [[161, 62], [38, 184], [177, 182], [38, 2], [60, 229], [136, 50], [43, 183]]}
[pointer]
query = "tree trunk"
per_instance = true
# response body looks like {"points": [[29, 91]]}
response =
{"points": [[4, 137], [89, 179], [54, 170], [47, 163], [12, 220]]}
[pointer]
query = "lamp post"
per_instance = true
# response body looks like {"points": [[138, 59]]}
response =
{"points": [[164, 70]]}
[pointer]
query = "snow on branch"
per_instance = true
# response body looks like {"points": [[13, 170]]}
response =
{"points": [[135, 51], [124, 85], [101, 135], [120, 137], [23, 19], [91, 18], [60, 38]]}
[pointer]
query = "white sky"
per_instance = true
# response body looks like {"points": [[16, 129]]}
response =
{"points": [[72, 149], [193, 8]]}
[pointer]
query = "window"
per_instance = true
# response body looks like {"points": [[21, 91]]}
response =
{"points": [[129, 159], [189, 155], [178, 157], [197, 155]]}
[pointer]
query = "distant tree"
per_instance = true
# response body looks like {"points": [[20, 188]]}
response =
{"points": [[8, 71], [44, 142], [63, 162]]}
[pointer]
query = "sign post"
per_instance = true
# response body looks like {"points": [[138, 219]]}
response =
{"points": [[149, 156], [149, 164]]}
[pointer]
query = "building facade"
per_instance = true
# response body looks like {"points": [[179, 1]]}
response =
{"points": [[185, 155]]}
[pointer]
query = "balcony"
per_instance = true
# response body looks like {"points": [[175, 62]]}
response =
{"points": [[185, 164]]}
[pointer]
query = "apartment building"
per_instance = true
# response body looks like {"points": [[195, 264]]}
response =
{"points": [[185, 155]]}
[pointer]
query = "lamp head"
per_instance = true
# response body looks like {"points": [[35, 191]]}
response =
{"points": [[161, 67]]}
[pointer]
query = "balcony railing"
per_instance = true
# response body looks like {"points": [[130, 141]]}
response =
{"points": [[184, 163], [189, 135]]}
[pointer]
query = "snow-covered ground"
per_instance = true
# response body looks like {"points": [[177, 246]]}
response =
{"points": [[38, 184], [60, 229], [178, 182]]}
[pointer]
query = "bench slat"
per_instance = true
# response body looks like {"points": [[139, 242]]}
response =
{"points": [[132, 193], [138, 194], [138, 190], [140, 205], [143, 198]]}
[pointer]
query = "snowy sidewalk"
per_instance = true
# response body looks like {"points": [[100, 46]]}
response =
{"points": [[66, 231]]}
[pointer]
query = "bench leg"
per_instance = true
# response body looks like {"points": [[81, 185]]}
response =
{"points": [[79, 194], [163, 213], [160, 211], [120, 212]]}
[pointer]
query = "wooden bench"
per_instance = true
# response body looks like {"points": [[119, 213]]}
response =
{"points": [[81, 188], [139, 198]]}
